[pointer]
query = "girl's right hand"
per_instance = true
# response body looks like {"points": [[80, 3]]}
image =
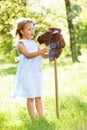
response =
{"points": [[45, 50]]}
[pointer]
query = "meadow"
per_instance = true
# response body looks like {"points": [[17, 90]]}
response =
{"points": [[72, 93]]}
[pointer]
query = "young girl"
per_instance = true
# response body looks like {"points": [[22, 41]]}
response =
{"points": [[28, 79]]}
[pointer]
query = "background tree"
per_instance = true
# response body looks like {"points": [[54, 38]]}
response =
{"points": [[70, 15]]}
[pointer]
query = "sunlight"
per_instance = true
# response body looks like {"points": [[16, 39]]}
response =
{"points": [[47, 3]]}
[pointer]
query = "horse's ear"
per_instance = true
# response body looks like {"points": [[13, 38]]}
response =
{"points": [[55, 32]]}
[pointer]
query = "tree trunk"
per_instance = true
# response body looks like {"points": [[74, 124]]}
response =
{"points": [[71, 32]]}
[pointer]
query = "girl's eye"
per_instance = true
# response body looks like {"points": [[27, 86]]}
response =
{"points": [[30, 29]]}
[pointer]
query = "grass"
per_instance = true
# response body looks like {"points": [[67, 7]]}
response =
{"points": [[72, 90]]}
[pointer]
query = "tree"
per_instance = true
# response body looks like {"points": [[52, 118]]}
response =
{"points": [[70, 15]]}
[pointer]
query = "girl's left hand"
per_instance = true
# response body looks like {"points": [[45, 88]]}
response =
{"points": [[48, 49]]}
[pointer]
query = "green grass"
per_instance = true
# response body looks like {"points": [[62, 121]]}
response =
{"points": [[72, 93]]}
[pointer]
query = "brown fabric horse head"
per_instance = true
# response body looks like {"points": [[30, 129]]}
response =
{"points": [[53, 35]]}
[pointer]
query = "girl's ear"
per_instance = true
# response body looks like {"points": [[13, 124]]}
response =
{"points": [[21, 31]]}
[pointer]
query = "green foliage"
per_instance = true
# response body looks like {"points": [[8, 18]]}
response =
{"points": [[75, 11], [80, 21], [9, 10]]}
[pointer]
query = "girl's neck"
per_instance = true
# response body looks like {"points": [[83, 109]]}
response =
{"points": [[25, 38]]}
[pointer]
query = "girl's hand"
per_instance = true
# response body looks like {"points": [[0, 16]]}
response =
{"points": [[48, 49], [45, 50]]}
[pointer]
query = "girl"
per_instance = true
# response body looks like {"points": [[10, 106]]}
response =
{"points": [[28, 79]]}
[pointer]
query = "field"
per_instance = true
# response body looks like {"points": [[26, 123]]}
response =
{"points": [[72, 93]]}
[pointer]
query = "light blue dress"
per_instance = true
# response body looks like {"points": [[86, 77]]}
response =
{"points": [[28, 79]]}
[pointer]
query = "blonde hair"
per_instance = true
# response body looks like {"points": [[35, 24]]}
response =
{"points": [[20, 26]]}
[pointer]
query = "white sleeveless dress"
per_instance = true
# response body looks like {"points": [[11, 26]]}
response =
{"points": [[28, 78]]}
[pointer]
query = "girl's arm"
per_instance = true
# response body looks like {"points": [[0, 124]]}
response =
{"points": [[22, 49]]}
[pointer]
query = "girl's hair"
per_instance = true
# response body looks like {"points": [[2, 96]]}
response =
{"points": [[20, 26]]}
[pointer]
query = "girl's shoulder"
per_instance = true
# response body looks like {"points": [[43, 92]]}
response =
{"points": [[28, 42]]}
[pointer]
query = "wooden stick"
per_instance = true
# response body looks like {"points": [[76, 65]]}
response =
{"points": [[56, 88]]}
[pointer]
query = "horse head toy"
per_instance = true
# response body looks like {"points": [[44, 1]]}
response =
{"points": [[54, 39]]}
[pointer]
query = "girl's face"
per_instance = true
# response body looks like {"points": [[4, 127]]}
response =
{"points": [[28, 31]]}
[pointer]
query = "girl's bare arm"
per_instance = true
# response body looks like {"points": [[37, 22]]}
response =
{"points": [[23, 50]]}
